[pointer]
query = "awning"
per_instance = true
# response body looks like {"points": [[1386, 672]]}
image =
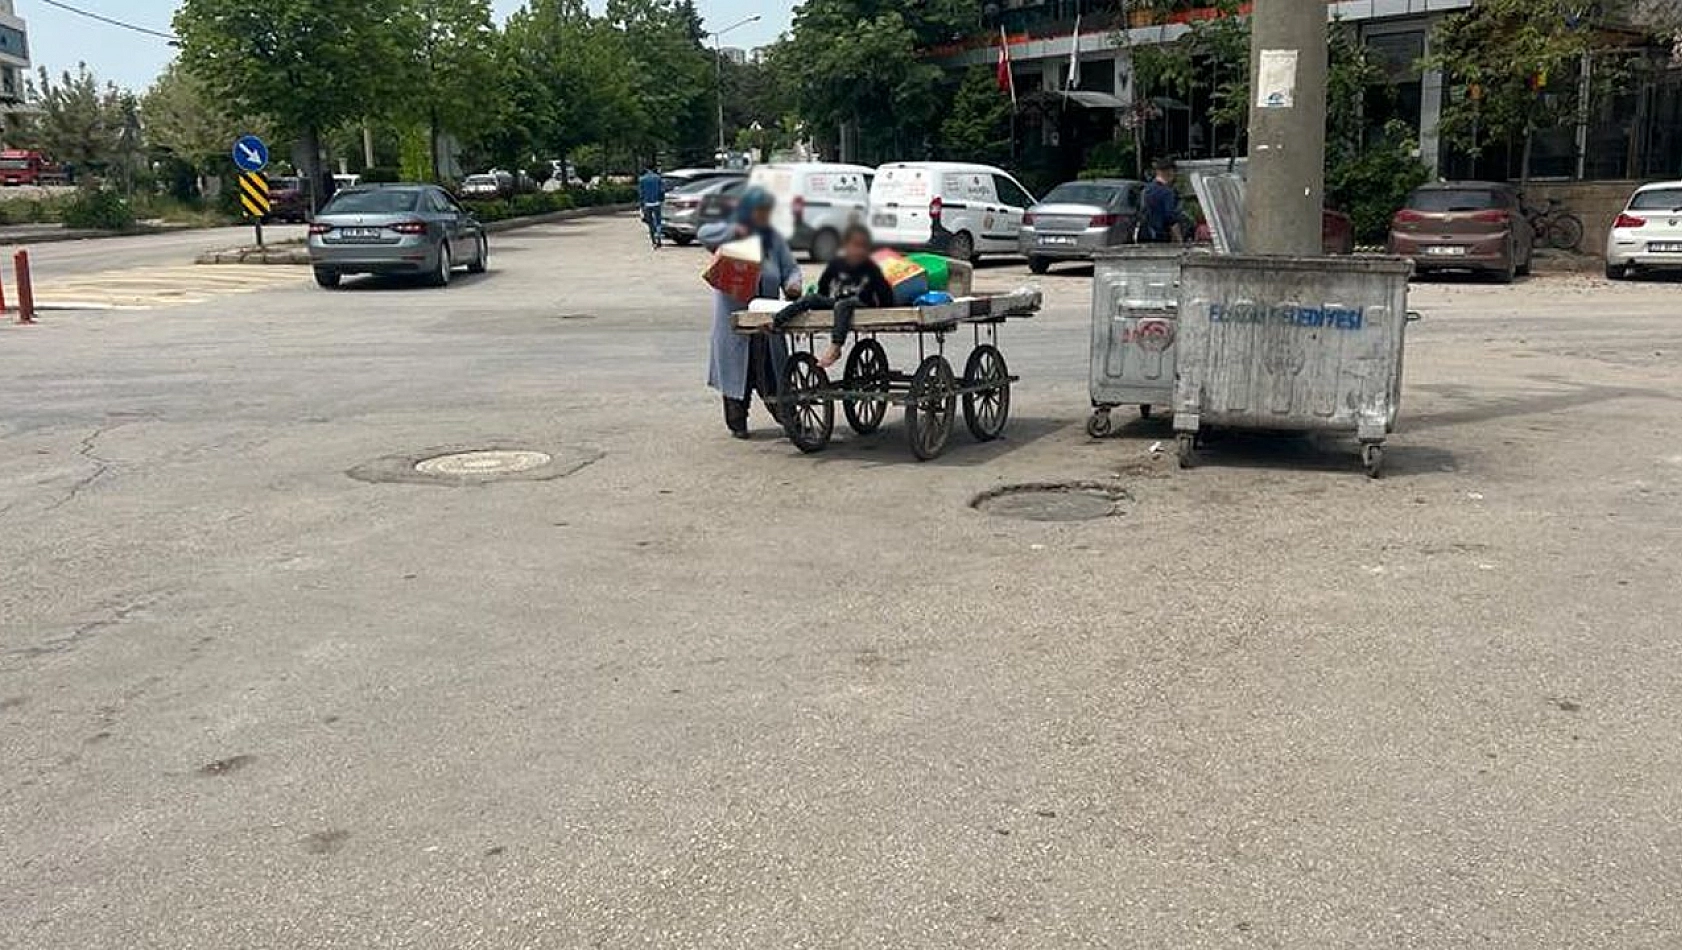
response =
{"points": [[1079, 97]]}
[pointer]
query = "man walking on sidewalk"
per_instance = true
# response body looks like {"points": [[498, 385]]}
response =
{"points": [[651, 189]]}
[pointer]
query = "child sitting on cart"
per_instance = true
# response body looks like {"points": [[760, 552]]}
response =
{"points": [[850, 281]]}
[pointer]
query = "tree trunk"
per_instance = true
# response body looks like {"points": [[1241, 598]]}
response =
{"points": [[432, 140], [312, 167]]}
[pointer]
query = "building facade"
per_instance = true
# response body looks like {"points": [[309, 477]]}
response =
{"points": [[14, 57], [1072, 61]]}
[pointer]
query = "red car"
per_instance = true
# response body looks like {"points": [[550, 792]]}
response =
{"points": [[1337, 233]]}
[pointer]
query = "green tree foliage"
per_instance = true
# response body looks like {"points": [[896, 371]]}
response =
{"points": [[79, 120], [674, 76], [859, 63], [1512, 66], [307, 65], [1371, 184], [572, 77], [182, 119], [978, 124], [450, 47]]}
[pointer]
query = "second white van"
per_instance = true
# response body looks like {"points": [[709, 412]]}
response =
{"points": [[961, 211], [816, 202]]}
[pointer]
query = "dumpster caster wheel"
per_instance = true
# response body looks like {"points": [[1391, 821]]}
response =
{"points": [[1188, 450], [1372, 459], [1145, 411], [808, 411], [1100, 426]]}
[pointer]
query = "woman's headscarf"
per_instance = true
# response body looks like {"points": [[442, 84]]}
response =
{"points": [[752, 201]]}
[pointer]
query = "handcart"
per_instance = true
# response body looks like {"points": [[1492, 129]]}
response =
{"points": [[930, 395]]}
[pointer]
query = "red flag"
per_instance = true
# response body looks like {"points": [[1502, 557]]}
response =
{"points": [[1007, 78]]}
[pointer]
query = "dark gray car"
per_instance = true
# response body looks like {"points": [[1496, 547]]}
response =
{"points": [[396, 229], [1078, 219]]}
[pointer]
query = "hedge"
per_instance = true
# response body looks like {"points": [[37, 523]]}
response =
{"points": [[548, 202]]}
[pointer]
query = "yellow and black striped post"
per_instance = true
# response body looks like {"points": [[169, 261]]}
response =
{"points": [[254, 198]]}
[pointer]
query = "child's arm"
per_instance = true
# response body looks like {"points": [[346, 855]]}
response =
{"points": [[826, 283]]}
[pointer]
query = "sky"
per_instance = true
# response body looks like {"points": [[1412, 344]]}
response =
{"points": [[59, 39]]}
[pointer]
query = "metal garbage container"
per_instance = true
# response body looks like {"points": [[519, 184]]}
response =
{"points": [[1135, 326], [1291, 344]]}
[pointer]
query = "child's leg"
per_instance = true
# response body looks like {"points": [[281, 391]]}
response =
{"points": [[843, 320], [803, 305]]}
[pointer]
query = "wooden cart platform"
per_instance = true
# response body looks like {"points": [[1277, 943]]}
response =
{"points": [[930, 395]]}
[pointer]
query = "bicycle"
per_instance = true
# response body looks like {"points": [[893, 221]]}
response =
{"points": [[1555, 227]]}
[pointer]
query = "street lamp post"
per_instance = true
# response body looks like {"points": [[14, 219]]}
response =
{"points": [[718, 56]]}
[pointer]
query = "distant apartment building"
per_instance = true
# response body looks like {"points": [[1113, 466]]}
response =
{"points": [[14, 56], [735, 55], [1076, 88]]}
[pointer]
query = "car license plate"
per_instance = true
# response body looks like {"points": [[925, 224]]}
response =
{"points": [[362, 234], [1665, 247], [884, 221], [1446, 250], [1057, 241]]}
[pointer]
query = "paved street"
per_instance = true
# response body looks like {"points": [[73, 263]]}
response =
{"points": [[708, 694]]}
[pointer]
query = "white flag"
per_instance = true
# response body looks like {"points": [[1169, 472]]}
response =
{"points": [[1074, 57]]}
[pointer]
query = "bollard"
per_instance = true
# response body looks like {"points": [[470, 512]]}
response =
{"points": [[2, 293], [26, 291]]}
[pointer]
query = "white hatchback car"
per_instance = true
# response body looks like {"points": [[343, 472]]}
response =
{"points": [[1648, 235]]}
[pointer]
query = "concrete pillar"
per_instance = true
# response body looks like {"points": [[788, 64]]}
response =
{"points": [[1287, 183]]}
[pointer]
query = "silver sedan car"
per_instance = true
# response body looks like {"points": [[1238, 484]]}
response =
{"points": [[1078, 219], [396, 229]]}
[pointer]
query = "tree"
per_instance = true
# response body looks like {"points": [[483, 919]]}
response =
{"points": [[573, 78], [80, 120], [451, 63], [183, 120], [673, 75], [978, 125], [306, 64], [861, 64]]}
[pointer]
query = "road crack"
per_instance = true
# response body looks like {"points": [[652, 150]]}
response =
{"points": [[102, 466]]}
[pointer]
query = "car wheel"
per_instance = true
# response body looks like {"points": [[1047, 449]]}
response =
{"points": [[327, 278], [962, 248], [825, 246], [441, 276], [1509, 272], [1617, 272], [481, 263], [683, 240], [1039, 265]]}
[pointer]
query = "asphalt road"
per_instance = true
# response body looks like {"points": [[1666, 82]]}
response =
{"points": [[80, 258], [706, 694]]}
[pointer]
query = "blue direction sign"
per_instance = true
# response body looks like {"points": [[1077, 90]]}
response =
{"points": [[250, 154]]}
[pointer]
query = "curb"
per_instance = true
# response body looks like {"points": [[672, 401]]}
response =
{"points": [[294, 253], [60, 237], [514, 224]]}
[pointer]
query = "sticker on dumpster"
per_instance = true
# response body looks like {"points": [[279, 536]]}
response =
{"points": [[1337, 318], [1152, 335]]}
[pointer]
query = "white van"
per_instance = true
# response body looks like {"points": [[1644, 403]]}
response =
{"points": [[816, 202], [962, 211]]}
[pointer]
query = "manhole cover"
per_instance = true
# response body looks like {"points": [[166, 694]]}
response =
{"points": [[1053, 501], [484, 464], [477, 465]]}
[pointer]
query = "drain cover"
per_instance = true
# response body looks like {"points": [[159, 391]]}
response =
{"points": [[476, 465], [484, 464], [1053, 501]]}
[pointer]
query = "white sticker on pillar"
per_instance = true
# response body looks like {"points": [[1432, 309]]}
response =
{"points": [[1276, 80]]}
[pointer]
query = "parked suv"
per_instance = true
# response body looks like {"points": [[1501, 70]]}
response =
{"points": [[1464, 225], [1648, 235]]}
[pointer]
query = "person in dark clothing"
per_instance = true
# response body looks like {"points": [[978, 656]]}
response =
{"points": [[850, 281], [1160, 218]]}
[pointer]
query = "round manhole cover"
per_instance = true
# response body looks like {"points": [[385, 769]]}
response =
{"points": [[1053, 501], [470, 465], [484, 464]]}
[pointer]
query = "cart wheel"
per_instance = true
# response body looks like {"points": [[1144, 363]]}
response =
{"points": [[1372, 459], [987, 411], [808, 410], [1100, 426], [1188, 450], [1145, 411], [867, 371], [929, 408]]}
